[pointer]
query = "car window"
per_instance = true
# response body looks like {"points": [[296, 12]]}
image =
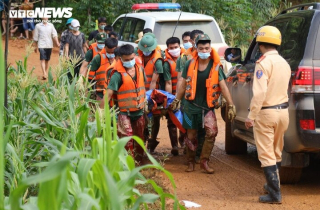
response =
{"points": [[167, 28], [131, 29], [117, 25], [316, 55]]}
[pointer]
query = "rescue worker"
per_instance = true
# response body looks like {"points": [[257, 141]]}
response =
{"points": [[187, 55], [127, 83], [94, 49], [172, 53], [268, 109], [186, 40], [100, 63], [150, 54], [203, 81]]}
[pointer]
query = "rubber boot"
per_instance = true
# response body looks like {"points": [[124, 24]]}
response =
{"points": [[265, 186], [173, 134], [205, 154], [272, 176], [191, 164]]}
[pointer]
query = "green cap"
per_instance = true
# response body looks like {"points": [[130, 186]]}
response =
{"points": [[202, 37], [148, 42], [101, 37]]}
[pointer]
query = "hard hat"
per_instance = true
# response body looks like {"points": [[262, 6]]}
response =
{"points": [[148, 42], [69, 21], [140, 35], [269, 34], [75, 23]]}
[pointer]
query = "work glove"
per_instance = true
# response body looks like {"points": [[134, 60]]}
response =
{"points": [[175, 105], [146, 108], [232, 112]]}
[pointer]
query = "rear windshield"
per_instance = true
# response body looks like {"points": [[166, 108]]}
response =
{"points": [[164, 30]]}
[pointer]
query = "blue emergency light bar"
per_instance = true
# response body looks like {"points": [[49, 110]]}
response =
{"points": [[156, 6]]}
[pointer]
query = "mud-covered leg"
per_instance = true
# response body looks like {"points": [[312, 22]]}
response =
{"points": [[138, 130], [125, 129]]}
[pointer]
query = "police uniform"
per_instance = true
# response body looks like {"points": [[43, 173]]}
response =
{"points": [[269, 110]]}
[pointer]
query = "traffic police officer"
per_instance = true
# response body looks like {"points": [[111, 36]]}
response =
{"points": [[268, 109]]}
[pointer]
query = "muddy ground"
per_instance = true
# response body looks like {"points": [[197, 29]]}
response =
{"points": [[238, 179]]}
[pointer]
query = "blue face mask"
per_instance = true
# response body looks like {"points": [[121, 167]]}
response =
{"points": [[203, 55], [76, 28], [129, 64], [102, 27], [70, 27], [110, 55], [187, 45], [100, 46], [147, 53]]}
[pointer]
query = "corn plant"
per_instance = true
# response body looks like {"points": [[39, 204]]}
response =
{"points": [[2, 141], [60, 154]]}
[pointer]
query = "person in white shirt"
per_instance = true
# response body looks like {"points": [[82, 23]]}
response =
{"points": [[44, 33]]}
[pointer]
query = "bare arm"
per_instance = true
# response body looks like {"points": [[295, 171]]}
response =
{"points": [[66, 50], [154, 80], [182, 88], [109, 95], [168, 86], [84, 47], [55, 39], [179, 81], [225, 92], [84, 68]]}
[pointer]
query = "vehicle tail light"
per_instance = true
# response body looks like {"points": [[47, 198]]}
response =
{"points": [[307, 124], [221, 51], [305, 78]]}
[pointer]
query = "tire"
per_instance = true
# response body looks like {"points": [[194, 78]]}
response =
{"points": [[290, 175], [233, 145]]}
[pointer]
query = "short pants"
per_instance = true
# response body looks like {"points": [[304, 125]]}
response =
{"points": [[28, 24], [45, 53]]}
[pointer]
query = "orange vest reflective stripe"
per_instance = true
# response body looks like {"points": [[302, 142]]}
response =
{"points": [[95, 51], [212, 83], [150, 66], [173, 72], [101, 76], [131, 94]]}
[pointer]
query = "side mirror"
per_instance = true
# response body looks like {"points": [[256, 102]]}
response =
{"points": [[233, 55]]}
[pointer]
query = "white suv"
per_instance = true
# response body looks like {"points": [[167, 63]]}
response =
{"points": [[163, 25]]}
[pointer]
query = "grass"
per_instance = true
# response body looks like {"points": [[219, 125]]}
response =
{"points": [[59, 154]]}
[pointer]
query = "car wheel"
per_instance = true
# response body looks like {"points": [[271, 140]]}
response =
{"points": [[233, 145], [289, 175]]}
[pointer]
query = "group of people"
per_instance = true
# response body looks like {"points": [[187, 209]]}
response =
{"points": [[193, 74]]}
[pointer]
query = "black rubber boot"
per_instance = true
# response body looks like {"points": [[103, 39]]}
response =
{"points": [[273, 181], [265, 186]]}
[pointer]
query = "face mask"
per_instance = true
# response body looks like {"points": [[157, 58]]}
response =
{"points": [[102, 27], [76, 28], [187, 45], [100, 46], [203, 55], [129, 64], [110, 55], [70, 27], [175, 52], [147, 53]]}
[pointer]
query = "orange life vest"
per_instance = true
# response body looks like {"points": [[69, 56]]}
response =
{"points": [[149, 67], [95, 51], [131, 94], [189, 53], [212, 83], [173, 72], [100, 76]]}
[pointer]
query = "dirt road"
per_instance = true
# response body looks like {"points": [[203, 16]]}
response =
{"points": [[238, 179]]}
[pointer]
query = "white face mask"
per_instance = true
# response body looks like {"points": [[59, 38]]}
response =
{"points": [[175, 52]]}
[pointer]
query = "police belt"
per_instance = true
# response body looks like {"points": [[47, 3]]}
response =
{"points": [[279, 106]]}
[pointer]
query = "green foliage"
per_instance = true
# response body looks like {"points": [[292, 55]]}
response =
{"points": [[61, 155]]}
